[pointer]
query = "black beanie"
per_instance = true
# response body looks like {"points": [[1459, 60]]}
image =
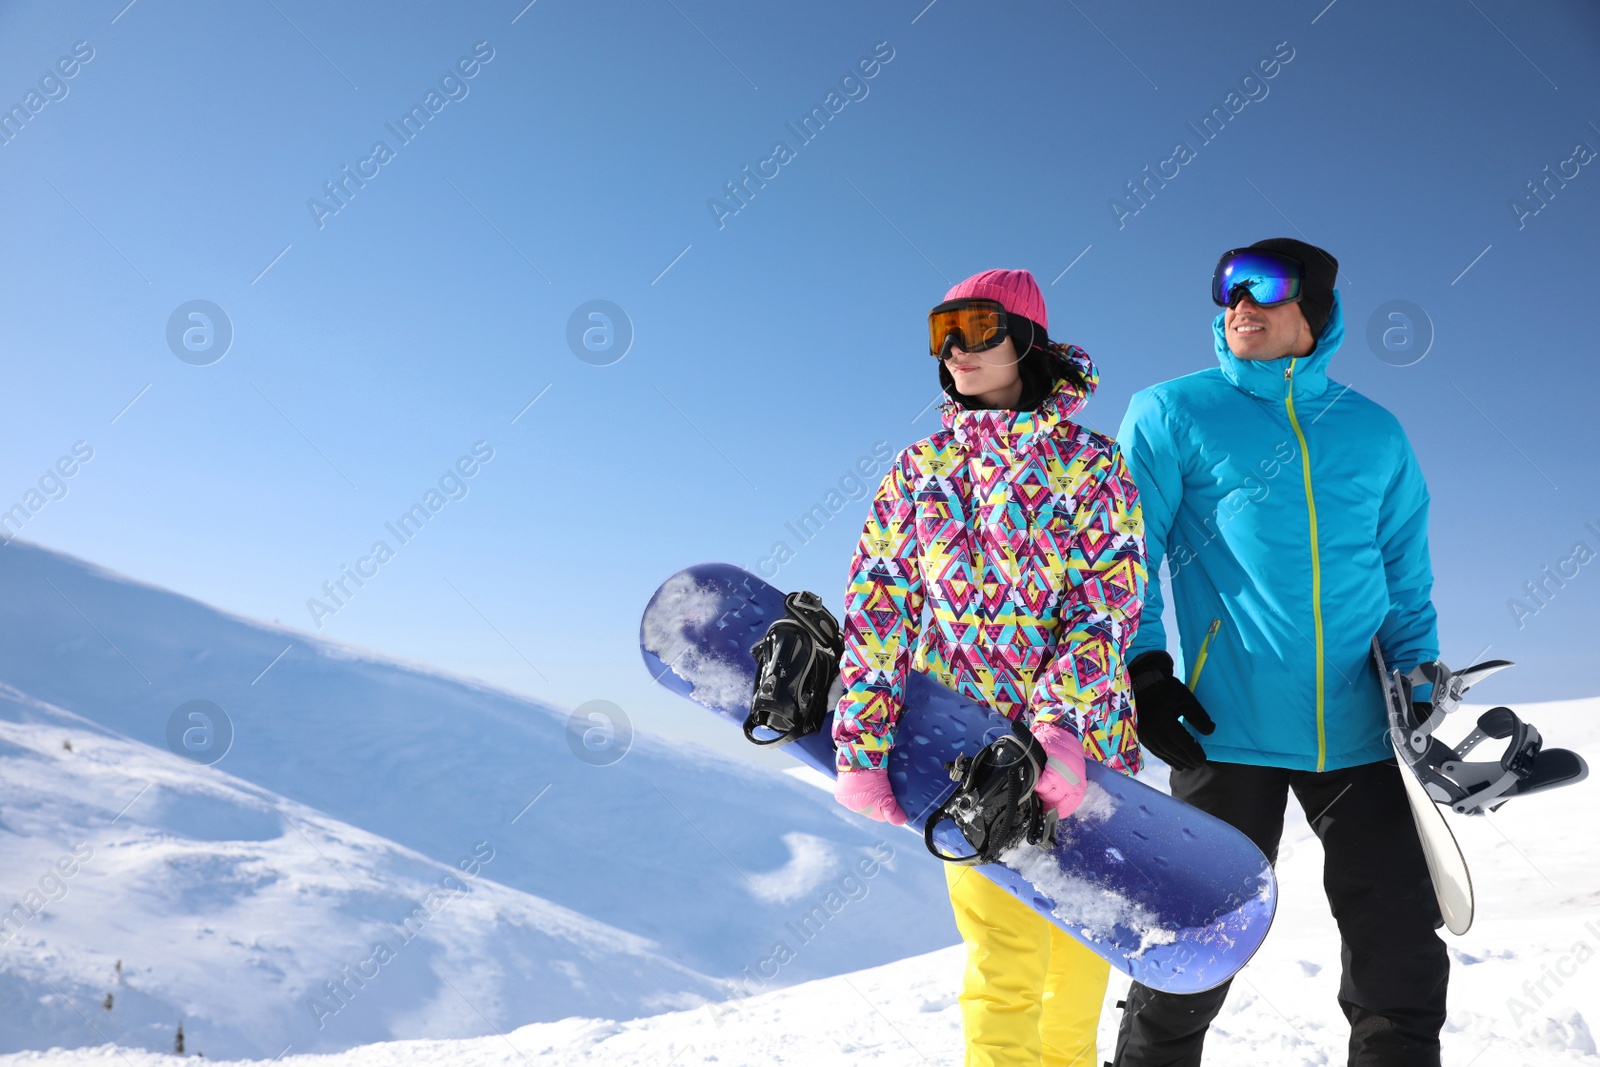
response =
{"points": [[1321, 270]]}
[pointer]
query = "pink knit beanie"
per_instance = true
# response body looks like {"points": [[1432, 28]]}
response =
{"points": [[1016, 291]]}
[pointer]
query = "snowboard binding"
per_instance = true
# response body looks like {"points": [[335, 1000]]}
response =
{"points": [[797, 662], [1472, 787], [994, 806]]}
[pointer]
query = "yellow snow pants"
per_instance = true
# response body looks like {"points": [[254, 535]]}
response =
{"points": [[1031, 995]]}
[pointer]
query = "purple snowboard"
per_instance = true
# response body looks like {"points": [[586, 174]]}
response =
{"points": [[1172, 897]]}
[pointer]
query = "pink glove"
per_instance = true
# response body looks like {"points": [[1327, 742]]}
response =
{"points": [[1065, 779], [868, 793]]}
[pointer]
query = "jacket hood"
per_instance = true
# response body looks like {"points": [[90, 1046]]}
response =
{"points": [[1267, 379], [1018, 429]]}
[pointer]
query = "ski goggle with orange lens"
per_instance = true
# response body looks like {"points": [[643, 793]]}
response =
{"points": [[970, 325], [1266, 277]]}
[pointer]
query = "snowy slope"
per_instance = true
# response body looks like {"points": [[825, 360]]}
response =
{"points": [[230, 907], [704, 856], [1538, 917]]}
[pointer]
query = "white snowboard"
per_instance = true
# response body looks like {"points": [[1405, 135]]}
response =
{"points": [[1452, 882]]}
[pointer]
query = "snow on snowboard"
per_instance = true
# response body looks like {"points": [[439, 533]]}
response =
{"points": [[1170, 896]]}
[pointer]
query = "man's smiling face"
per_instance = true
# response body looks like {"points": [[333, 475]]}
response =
{"points": [[1259, 333]]}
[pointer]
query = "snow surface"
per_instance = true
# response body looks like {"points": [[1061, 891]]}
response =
{"points": [[694, 860], [221, 885], [229, 907], [1538, 922]]}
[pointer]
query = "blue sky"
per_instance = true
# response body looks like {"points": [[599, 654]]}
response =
{"points": [[772, 349]]}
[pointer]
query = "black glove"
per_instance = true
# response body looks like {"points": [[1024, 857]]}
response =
{"points": [[1159, 700]]}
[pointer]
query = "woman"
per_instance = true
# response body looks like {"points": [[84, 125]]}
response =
{"points": [[1021, 533]]}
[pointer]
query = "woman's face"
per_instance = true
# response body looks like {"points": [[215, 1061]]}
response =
{"points": [[990, 376]]}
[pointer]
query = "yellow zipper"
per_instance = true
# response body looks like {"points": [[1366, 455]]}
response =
{"points": [[1200, 657], [1316, 563]]}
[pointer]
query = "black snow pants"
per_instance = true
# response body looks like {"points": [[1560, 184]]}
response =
{"points": [[1395, 968]]}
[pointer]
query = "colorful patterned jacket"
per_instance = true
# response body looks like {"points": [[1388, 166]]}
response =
{"points": [[1022, 536]]}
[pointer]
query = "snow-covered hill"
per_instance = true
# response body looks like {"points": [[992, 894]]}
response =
{"points": [[1524, 986], [258, 922], [704, 858]]}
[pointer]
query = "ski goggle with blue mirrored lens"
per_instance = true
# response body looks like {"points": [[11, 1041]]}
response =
{"points": [[1268, 278]]}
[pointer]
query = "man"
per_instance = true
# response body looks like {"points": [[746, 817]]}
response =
{"points": [[1293, 516]]}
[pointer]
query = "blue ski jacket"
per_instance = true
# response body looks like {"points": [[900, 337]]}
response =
{"points": [[1294, 521]]}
